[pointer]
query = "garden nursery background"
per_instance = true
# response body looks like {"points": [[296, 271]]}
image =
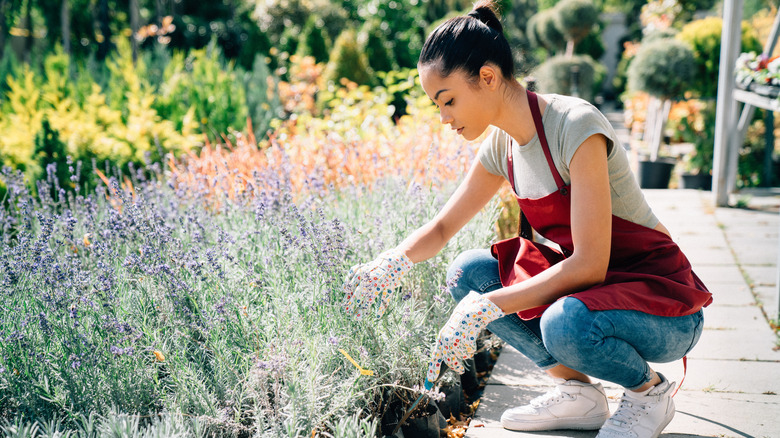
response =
{"points": [[185, 185]]}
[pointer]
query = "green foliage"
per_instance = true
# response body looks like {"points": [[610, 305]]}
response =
{"points": [[8, 66], [282, 19], [704, 36], [664, 68], [261, 101], [48, 118], [50, 150], [516, 24], [200, 83], [555, 76], [575, 18], [546, 32], [547, 4], [348, 61], [591, 45], [698, 128], [313, 41], [660, 34], [376, 46]]}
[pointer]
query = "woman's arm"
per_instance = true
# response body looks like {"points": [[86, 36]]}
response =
{"points": [[471, 196], [591, 228]]}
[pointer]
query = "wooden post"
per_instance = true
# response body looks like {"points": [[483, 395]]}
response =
{"points": [[726, 117]]}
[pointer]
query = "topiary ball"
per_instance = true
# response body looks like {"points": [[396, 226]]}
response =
{"points": [[664, 68], [555, 76], [575, 18]]}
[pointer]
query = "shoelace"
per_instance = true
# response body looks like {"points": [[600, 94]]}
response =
{"points": [[552, 397], [627, 413]]}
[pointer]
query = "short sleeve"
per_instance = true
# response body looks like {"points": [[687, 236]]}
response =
{"points": [[492, 153], [581, 122]]}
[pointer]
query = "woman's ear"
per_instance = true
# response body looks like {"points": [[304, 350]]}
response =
{"points": [[488, 76]]}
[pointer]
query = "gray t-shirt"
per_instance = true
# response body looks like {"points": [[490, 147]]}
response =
{"points": [[568, 122]]}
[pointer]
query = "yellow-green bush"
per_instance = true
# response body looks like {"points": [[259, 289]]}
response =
{"points": [[703, 36], [122, 129]]}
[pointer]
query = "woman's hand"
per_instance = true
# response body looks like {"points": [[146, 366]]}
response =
{"points": [[375, 281], [457, 341]]}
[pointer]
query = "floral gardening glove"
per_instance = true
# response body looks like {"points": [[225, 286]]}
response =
{"points": [[457, 340], [377, 279]]}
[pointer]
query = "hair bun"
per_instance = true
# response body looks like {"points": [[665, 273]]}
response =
{"points": [[484, 11]]}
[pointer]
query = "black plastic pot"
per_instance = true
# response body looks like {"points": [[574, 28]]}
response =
{"points": [[391, 418], [482, 360], [429, 423], [655, 174], [469, 379], [698, 181], [454, 403]]}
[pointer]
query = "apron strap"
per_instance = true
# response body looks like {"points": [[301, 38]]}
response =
{"points": [[533, 102], [685, 371]]}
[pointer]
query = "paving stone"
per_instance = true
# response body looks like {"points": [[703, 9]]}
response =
{"points": [[730, 294], [721, 274], [719, 375], [761, 275], [707, 256], [698, 414]]}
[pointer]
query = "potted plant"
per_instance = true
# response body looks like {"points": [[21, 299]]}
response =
{"points": [[697, 127], [663, 68], [758, 73]]}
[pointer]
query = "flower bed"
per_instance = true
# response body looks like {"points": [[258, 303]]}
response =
{"points": [[180, 302]]}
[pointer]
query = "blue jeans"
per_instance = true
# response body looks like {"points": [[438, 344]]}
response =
{"points": [[611, 345]]}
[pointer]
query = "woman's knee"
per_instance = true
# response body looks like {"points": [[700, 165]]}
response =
{"points": [[472, 270], [567, 330]]}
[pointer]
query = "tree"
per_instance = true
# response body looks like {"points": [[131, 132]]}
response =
{"points": [[375, 46], [348, 61], [575, 20], [313, 41]]}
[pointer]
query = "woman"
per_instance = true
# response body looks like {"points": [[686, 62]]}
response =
{"points": [[618, 294]]}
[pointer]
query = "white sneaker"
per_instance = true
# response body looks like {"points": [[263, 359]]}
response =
{"points": [[571, 405], [642, 414]]}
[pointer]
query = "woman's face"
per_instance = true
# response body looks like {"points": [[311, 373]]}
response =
{"points": [[462, 103]]}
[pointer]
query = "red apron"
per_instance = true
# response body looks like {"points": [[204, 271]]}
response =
{"points": [[647, 271]]}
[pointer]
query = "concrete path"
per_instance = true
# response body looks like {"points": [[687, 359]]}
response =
{"points": [[732, 388]]}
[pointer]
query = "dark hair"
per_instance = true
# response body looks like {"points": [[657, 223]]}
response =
{"points": [[469, 42]]}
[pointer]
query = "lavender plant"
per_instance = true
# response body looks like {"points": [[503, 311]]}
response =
{"points": [[150, 302]]}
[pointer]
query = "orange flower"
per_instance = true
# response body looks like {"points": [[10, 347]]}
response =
{"points": [[160, 357]]}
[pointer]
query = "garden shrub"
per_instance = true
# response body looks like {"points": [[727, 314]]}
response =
{"points": [[546, 32], [200, 83], [262, 99], [555, 76], [703, 36], [20, 122], [376, 47], [575, 18], [313, 41], [348, 61], [592, 45], [129, 130], [663, 68]]}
